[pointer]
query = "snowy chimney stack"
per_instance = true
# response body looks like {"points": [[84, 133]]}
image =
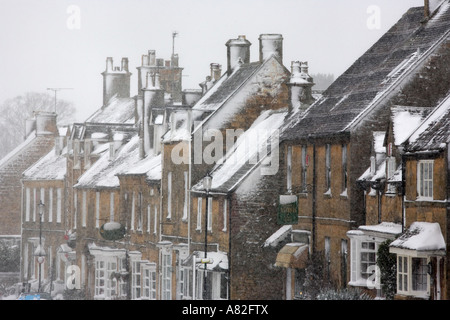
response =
{"points": [[300, 85], [46, 123], [269, 45], [216, 71], [116, 80], [237, 49]]}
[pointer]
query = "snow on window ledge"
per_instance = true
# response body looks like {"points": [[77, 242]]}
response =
{"points": [[328, 193]]}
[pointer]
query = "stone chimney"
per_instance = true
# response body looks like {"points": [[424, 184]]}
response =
{"points": [[216, 71], [269, 45], [237, 50], [300, 85], [116, 80], [153, 97], [46, 123]]}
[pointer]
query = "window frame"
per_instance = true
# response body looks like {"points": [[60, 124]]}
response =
{"points": [[409, 273], [421, 180]]}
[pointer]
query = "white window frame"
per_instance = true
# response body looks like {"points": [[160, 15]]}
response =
{"points": [[289, 169], [169, 195], [27, 204], [149, 215], [328, 167], [133, 210], [111, 207], [97, 209], [356, 275], [136, 277], [407, 273], [149, 282], [210, 215], [75, 206], [58, 205], [155, 215], [50, 204], [84, 209], [422, 181], [225, 214], [105, 286], [216, 279], [42, 198], [166, 275], [34, 204], [199, 213], [304, 169], [186, 196], [140, 217]]}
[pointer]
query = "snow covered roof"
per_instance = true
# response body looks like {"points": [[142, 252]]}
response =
{"points": [[372, 78], [151, 166], [226, 86], [405, 120], [49, 167], [434, 133], [280, 235], [118, 110], [421, 236], [103, 173], [219, 260], [384, 227], [229, 95], [246, 152]]}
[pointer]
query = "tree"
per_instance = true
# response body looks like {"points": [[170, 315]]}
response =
{"points": [[387, 262], [14, 113], [9, 258]]}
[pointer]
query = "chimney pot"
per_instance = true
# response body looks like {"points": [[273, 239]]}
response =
{"points": [[125, 64], [152, 57], [109, 64], [269, 45]]}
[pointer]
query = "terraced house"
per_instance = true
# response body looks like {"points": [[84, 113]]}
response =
{"points": [[252, 185]]}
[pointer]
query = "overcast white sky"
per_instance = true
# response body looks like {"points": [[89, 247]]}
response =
{"points": [[42, 44]]}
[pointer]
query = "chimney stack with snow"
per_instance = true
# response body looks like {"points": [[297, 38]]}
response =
{"points": [[46, 123], [216, 71], [237, 50], [270, 44], [116, 81], [300, 86]]}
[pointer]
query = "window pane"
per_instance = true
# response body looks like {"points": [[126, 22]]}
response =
{"points": [[419, 274]]}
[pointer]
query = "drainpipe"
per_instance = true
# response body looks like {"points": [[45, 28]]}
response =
{"points": [[403, 186], [314, 191]]}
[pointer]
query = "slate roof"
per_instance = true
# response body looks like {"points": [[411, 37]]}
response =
{"points": [[250, 150], [104, 172], [49, 167], [436, 133], [226, 86], [372, 75], [118, 110]]}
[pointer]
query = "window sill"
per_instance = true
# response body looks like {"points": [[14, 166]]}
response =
{"points": [[327, 194]]}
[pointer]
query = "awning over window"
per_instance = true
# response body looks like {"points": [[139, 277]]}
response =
{"points": [[293, 255], [421, 238]]}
